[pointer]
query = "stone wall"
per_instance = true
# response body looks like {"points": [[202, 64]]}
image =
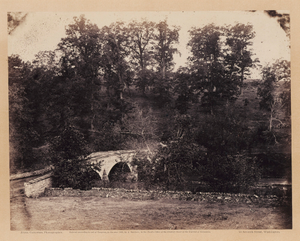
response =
{"points": [[36, 187], [156, 195]]}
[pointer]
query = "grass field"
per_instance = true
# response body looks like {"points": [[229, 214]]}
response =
{"points": [[96, 213]]}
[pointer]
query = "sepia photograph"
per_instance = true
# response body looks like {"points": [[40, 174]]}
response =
{"points": [[150, 120]]}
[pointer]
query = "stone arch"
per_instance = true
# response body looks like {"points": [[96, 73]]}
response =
{"points": [[119, 171], [110, 159]]}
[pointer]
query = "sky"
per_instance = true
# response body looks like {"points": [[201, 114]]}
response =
{"points": [[42, 31]]}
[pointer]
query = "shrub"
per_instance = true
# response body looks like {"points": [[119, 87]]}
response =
{"points": [[145, 168], [231, 173], [275, 165], [224, 134], [69, 157], [74, 174], [170, 166], [174, 163]]}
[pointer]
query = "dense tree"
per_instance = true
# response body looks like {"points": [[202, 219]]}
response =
{"points": [[220, 59], [164, 50], [184, 90], [117, 72], [141, 43], [238, 56], [224, 134], [81, 58], [17, 70], [206, 63], [47, 60], [40, 87], [275, 91], [22, 132]]}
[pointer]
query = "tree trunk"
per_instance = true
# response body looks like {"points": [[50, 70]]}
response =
{"points": [[92, 110], [242, 81], [121, 89], [271, 120], [163, 69]]}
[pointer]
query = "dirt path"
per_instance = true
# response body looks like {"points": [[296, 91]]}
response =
{"points": [[95, 213], [20, 216]]}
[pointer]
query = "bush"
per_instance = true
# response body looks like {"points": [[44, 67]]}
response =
{"points": [[69, 145], [145, 169], [174, 163], [69, 157], [74, 174], [275, 165], [224, 134], [231, 173], [175, 166], [205, 153], [263, 136], [170, 166]]}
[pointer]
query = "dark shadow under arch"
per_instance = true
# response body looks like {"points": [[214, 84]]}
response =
{"points": [[119, 172]]}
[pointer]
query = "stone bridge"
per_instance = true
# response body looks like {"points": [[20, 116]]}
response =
{"points": [[109, 160]]}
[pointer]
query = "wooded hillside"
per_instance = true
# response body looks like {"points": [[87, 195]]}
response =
{"points": [[116, 88]]}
